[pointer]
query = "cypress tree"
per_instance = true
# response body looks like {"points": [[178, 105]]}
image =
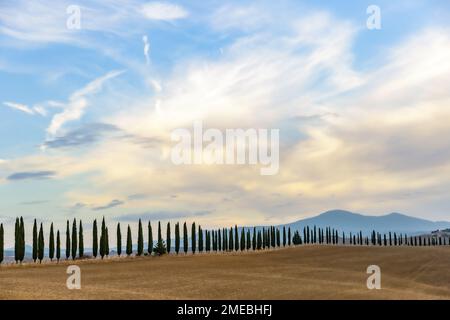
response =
{"points": [[67, 240], [219, 240], [119, 240], [16, 240], [35, 241], [284, 236], [150, 238], [106, 242], [22, 239], [35, 244], [200, 239], [242, 239], [2, 240], [185, 238], [51, 248], [95, 239], [168, 237], [249, 241], [102, 239], [74, 239], [254, 241], [81, 241], [41, 244], [58, 246], [236, 238], [231, 243], [278, 238], [177, 237], [129, 242], [140, 244], [259, 241], [193, 238], [289, 236]]}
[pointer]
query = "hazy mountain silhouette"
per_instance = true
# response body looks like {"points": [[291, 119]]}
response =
{"points": [[351, 222]]}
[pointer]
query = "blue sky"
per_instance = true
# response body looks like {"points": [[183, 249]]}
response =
{"points": [[85, 116]]}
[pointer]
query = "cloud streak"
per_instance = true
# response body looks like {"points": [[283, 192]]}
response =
{"points": [[32, 175]]}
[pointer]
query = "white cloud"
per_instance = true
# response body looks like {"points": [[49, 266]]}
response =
{"points": [[18, 106], [78, 102], [163, 11], [146, 48]]}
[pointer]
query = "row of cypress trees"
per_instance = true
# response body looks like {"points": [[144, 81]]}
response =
{"points": [[219, 240]]}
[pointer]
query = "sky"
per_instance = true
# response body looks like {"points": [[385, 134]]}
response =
{"points": [[86, 114]]}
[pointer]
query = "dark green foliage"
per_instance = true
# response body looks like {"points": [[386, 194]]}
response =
{"points": [[58, 246], [67, 240], [296, 240], [177, 237], [95, 239], [74, 239], [41, 244], [2, 243], [129, 242], [200, 239], [236, 238], [35, 241], [119, 240], [106, 242], [230, 238], [168, 237], [160, 248], [81, 241], [284, 236], [289, 236], [249, 241], [259, 241], [193, 238], [51, 246], [140, 243], [254, 240], [185, 238], [242, 239], [150, 238], [103, 239]]}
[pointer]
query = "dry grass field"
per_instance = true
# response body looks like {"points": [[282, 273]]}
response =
{"points": [[308, 272]]}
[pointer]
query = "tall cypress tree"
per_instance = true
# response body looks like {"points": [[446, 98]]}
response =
{"points": [[35, 241], [106, 242], [2, 241], [259, 241], [74, 239], [249, 241], [289, 236], [236, 238], [129, 242], [58, 246], [177, 237], [230, 238], [193, 238], [254, 239], [81, 241], [200, 239], [67, 240], [185, 238], [140, 244], [41, 244], [95, 239], [119, 240], [150, 239], [168, 237], [242, 239], [102, 239], [17, 240], [51, 248], [22, 239], [284, 236]]}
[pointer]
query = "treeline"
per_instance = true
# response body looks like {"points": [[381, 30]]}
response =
{"points": [[197, 241]]}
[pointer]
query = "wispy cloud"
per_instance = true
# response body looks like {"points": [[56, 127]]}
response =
{"points": [[163, 215], [78, 102], [112, 204], [146, 48], [163, 11], [18, 106], [33, 175]]}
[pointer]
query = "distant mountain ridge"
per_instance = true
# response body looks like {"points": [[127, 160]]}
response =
{"points": [[351, 222]]}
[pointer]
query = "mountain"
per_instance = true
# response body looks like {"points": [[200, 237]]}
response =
{"points": [[352, 222]]}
